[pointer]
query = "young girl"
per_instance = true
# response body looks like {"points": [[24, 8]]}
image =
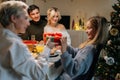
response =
{"points": [[79, 63]]}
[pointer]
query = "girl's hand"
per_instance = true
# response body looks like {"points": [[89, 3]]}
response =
{"points": [[50, 44], [63, 44]]}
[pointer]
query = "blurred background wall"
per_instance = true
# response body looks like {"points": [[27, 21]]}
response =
{"points": [[77, 9]]}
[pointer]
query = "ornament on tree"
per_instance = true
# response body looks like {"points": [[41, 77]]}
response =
{"points": [[109, 60]]}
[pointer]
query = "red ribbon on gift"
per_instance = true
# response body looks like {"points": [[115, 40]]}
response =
{"points": [[55, 37]]}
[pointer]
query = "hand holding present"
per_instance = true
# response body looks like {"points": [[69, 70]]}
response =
{"points": [[63, 44], [54, 37], [50, 44]]}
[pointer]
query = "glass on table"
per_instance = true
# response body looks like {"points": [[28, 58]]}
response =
{"points": [[39, 48]]}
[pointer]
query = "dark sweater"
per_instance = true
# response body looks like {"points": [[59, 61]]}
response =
{"points": [[35, 28]]}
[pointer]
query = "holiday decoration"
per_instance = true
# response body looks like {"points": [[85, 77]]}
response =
{"points": [[73, 24], [108, 67], [78, 23]]}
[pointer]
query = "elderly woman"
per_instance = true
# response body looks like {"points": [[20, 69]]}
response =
{"points": [[16, 62], [79, 63]]}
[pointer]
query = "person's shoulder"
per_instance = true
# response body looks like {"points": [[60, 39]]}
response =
{"points": [[90, 48], [43, 21], [46, 26], [30, 21], [61, 26]]}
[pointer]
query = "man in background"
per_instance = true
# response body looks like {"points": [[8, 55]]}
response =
{"points": [[36, 28]]}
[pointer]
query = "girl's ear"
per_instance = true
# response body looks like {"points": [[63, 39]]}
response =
{"points": [[13, 18]]}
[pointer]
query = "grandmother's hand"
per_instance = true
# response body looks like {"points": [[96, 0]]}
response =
{"points": [[63, 44]]}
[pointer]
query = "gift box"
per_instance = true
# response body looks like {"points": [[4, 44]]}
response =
{"points": [[54, 37]]}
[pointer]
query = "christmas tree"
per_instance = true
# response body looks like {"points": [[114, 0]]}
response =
{"points": [[108, 67]]}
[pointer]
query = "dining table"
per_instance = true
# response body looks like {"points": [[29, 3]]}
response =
{"points": [[53, 61], [54, 66]]}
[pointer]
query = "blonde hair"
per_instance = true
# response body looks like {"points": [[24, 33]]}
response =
{"points": [[9, 8], [49, 11], [101, 25]]}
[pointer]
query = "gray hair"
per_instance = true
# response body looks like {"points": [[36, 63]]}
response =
{"points": [[9, 8]]}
